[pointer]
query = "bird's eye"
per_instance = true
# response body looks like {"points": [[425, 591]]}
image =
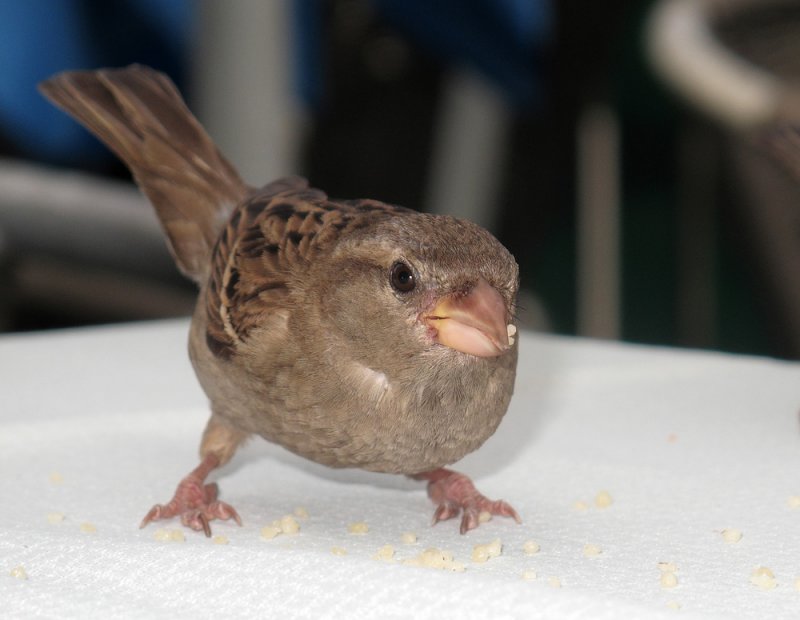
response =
{"points": [[402, 277]]}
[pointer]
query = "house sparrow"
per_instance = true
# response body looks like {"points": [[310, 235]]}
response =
{"points": [[351, 332]]}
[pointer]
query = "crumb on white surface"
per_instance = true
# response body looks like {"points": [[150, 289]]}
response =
{"points": [[408, 538], [531, 547], [56, 478], [603, 499], [358, 528], [554, 582], [591, 551], [268, 532], [169, 535], [55, 517], [730, 535], [668, 580], [529, 575], [338, 551], [220, 540], [289, 525], [763, 578], [580, 506], [484, 516], [385, 553], [88, 528], [794, 501], [436, 558], [301, 513], [667, 567], [19, 572], [483, 553], [674, 605]]}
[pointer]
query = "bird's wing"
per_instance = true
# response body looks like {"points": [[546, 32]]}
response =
{"points": [[270, 237]]}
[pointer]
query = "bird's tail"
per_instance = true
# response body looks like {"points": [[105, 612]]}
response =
{"points": [[139, 114]]}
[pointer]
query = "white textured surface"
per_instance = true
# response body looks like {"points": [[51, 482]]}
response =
{"points": [[687, 444]]}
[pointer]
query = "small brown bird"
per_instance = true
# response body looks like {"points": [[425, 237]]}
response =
{"points": [[351, 332]]}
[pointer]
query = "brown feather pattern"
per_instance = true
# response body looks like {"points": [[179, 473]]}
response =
{"points": [[267, 239], [141, 116]]}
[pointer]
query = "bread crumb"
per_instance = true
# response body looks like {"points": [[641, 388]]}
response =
{"points": [[165, 535], [580, 506], [358, 528], [672, 438], [408, 538], [797, 584], [674, 605], [484, 516], [338, 551], [436, 558], [530, 547], [591, 551], [603, 499], [668, 577], [482, 553], [88, 528], [289, 525], [220, 540], [301, 513], [55, 517], [18, 572], [763, 578], [56, 478], [554, 582], [730, 535], [794, 501], [668, 580], [511, 330], [268, 532], [385, 553], [529, 575]]}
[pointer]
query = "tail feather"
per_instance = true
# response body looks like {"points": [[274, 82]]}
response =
{"points": [[139, 114]]}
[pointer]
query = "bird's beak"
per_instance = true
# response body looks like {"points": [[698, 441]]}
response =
{"points": [[475, 323]]}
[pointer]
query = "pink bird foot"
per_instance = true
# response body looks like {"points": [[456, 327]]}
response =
{"points": [[453, 493], [195, 501]]}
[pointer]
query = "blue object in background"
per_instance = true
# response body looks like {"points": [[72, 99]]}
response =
{"points": [[41, 37], [499, 38]]}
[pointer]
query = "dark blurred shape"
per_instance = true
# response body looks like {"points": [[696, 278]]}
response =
{"points": [[738, 64], [381, 110], [77, 250]]}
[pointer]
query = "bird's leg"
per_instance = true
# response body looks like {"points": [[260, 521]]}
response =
{"points": [[453, 492], [195, 501]]}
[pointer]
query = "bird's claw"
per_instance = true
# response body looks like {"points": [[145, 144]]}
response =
{"points": [[455, 494], [196, 504]]}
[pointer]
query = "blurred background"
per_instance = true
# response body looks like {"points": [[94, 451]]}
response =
{"points": [[616, 148]]}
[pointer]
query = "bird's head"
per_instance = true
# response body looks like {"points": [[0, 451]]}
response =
{"points": [[419, 284]]}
